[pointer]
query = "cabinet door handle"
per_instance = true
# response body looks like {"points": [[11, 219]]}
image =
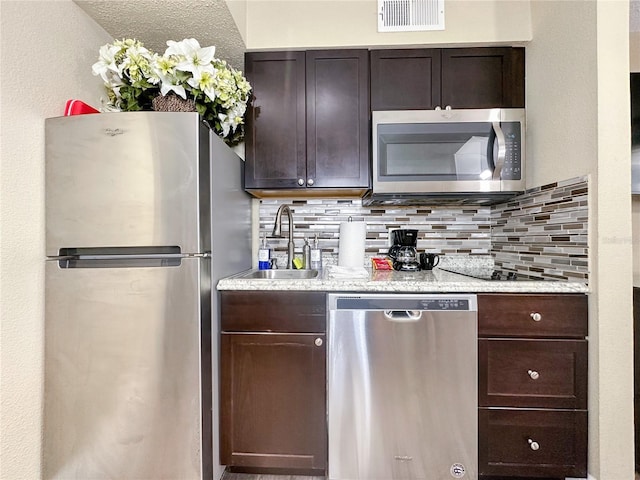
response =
{"points": [[301, 181], [533, 374], [318, 342], [310, 182], [533, 445], [536, 316]]}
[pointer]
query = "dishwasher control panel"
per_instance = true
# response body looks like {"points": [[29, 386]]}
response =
{"points": [[429, 302]]}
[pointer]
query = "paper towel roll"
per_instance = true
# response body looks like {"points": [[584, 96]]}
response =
{"points": [[351, 244]]}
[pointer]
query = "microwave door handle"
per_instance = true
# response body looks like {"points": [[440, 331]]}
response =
{"points": [[502, 150]]}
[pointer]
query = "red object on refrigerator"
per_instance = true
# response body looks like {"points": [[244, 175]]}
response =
{"points": [[76, 107]]}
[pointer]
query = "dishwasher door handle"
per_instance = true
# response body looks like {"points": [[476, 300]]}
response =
{"points": [[403, 315]]}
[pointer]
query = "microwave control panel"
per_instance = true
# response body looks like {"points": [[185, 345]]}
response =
{"points": [[512, 168]]}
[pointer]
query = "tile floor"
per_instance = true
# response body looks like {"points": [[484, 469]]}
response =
{"points": [[247, 476]]}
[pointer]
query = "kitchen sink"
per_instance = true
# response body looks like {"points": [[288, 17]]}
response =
{"points": [[284, 274]]}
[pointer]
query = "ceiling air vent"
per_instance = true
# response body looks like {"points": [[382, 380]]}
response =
{"points": [[410, 15]]}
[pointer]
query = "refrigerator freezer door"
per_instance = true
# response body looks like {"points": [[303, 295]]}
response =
{"points": [[123, 179], [122, 372]]}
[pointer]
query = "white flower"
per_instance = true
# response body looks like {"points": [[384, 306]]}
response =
{"points": [[106, 65], [192, 57], [137, 65], [205, 81], [164, 68], [225, 124], [167, 86]]}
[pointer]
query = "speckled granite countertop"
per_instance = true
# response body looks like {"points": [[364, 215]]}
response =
{"points": [[436, 280]]}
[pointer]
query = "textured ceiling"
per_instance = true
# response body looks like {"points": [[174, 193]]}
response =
{"points": [[153, 22]]}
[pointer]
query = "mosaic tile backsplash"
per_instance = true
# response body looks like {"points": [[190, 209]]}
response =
{"points": [[542, 233]]}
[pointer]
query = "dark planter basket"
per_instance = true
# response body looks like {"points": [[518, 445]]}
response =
{"points": [[172, 103]]}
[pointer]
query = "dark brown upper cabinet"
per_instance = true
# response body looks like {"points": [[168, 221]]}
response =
{"points": [[308, 122], [405, 79], [423, 79]]}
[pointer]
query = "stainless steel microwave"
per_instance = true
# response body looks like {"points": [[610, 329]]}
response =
{"points": [[447, 156]]}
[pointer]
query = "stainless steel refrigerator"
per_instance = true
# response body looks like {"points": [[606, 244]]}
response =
{"points": [[145, 211]]}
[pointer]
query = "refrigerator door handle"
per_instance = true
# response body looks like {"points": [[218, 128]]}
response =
{"points": [[199, 255], [140, 256]]}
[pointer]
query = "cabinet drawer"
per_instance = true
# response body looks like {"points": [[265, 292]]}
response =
{"points": [[532, 443], [533, 315], [273, 311], [532, 373]]}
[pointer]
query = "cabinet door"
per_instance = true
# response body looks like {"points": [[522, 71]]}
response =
{"points": [[337, 118], [275, 131], [406, 79], [483, 77], [272, 408]]}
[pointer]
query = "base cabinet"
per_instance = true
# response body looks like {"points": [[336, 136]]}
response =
{"points": [[272, 389], [532, 386]]}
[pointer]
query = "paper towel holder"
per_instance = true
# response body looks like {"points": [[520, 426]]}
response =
{"points": [[351, 245]]}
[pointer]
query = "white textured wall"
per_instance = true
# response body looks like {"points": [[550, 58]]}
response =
{"points": [[238, 10], [634, 51], [561, 91], [612, 250], [47, 48], [634, 35], [330, 23], [577, 69]]}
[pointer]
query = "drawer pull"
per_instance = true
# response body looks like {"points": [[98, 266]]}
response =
{"points": [[533, 445], [536, 316], [533, 374], [318, 342]]}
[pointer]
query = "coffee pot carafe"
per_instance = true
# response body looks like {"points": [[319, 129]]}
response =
{"points": [[402, 238], [407, 259], [403, 252]]}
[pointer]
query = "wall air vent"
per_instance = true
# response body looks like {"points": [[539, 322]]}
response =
{"points": [[410, 15]]}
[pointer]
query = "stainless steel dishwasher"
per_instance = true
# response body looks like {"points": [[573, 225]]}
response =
{"points": [[402, 387]]}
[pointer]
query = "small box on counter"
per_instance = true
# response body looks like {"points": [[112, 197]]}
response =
{"points": [[382, 264]]}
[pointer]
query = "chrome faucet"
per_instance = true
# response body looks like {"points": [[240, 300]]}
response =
{"points": [[277, 232]]}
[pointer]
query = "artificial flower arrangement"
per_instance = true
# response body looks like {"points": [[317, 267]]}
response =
{"points": [[134, 76]]}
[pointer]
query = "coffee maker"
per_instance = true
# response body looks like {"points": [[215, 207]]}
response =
{"points": [[403, 252]]}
